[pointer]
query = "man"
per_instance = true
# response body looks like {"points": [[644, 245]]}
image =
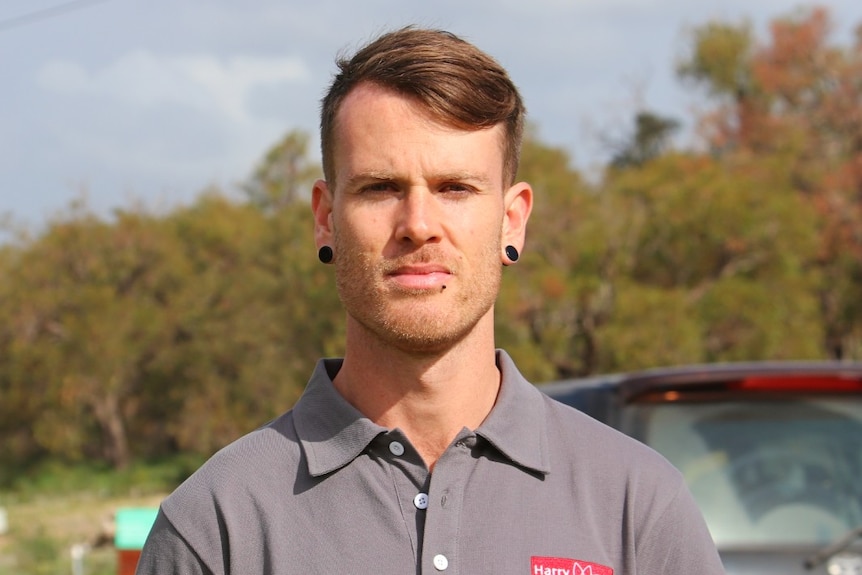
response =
{"points": [[423, 450]]}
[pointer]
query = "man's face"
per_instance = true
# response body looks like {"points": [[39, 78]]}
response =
{"points": [[417, 219]]}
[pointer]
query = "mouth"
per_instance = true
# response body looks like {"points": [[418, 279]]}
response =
{"points": [[421, 277]]}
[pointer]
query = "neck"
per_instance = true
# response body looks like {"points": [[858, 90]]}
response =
{"points": [[431, 397]]}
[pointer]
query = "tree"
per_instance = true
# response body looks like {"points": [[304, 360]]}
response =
{"points": [[651, 139], [284, 175], [138, 335], [797, 105], [257, 315], [719, 61], [705, 236], [88, 308]]}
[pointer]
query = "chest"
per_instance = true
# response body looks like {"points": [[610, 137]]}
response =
{"points": [[472, 515]]}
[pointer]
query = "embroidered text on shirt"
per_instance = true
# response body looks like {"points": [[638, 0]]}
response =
{"points": [[561, 566]]}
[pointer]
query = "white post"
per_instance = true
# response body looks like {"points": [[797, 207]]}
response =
{"points": [[78, 551]]}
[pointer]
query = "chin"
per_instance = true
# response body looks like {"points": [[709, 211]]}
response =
{"points": [[424, 335], [424, 347]]}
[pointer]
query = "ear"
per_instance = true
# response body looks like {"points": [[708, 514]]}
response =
{"points": [[321, 207], [518, 202]]}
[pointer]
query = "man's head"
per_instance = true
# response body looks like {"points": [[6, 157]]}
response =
{"points": [[418, 210], [458, 84]]}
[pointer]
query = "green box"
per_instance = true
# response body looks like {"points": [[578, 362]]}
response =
{"points": [[133, 524]]}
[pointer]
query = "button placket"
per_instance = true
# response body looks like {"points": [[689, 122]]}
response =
{"points": [[442, 524], [409, 477]]}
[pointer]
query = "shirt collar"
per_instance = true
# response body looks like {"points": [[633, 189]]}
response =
{"points": [[516, 425], [333, 432]]}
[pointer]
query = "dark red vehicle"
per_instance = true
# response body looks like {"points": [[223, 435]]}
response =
{"points": [[771, 451]]}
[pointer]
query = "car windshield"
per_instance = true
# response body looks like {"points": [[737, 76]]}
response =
{"points": [[766, 472]]}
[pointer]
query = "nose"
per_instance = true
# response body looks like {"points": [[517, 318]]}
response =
{"points": [[418, 218]]}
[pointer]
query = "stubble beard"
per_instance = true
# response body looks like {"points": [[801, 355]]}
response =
{"points": [[415, 321]]}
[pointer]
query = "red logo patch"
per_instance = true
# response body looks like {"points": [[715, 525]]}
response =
{"points": [[560, 566]]}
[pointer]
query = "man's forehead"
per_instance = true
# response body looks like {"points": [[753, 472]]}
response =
{"points": [[363, 110], [368, 96]]}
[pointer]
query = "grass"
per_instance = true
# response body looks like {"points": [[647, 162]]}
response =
{"points": [[53, 507]]}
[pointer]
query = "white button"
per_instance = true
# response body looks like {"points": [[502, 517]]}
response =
{"points": [[396, 448], [421, 501], [440, 562]]}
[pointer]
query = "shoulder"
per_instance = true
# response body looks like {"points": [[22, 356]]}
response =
{"points": [[617, 475], [274, 444], [238, 473], [223, 496], [615, 461], [576, 428], [623, 489], [572, 442]]}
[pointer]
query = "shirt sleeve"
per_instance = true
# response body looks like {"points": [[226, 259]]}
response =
{"points": [[167, 552], [678, 541]]}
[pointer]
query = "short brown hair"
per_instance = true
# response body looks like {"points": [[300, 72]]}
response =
{"points": [[460, 85]]}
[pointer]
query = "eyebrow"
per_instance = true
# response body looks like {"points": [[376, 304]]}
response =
{"points": [[361, 177], [385, 176]]}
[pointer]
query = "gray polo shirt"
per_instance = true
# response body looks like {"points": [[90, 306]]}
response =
{"points": [[538, 489]]}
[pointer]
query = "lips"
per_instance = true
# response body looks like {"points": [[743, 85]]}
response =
{"points": [[421, 276]]}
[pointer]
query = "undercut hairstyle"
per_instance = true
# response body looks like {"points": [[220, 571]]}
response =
{"points": [[459, 85]]}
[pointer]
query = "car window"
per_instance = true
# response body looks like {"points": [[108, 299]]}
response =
{"points": [[766, 472]]}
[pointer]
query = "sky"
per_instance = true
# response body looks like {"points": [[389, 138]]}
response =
{"points": [[122, 103]]}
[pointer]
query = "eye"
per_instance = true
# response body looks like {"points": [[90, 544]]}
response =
{"points": [[378, 187], [456, 189]]}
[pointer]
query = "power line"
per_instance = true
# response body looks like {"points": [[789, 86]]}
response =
{"points": [[46, 13]]}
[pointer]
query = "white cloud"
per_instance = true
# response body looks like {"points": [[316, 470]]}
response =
{"points": [[203, 82]]}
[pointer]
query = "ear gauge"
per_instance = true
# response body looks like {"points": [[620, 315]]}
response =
{"points": [[325, 255], [512, 254]]}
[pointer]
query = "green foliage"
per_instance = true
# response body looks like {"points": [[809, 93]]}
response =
{"points": [[58, 477], [40, 555], [719, 58], [144, 335], [749, 320], [798, 113], [651, 139], [683, 259], [285, 175], [650, 326], [85, 316]]}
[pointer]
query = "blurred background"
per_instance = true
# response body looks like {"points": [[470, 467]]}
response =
{"points": [[698, 170]]}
